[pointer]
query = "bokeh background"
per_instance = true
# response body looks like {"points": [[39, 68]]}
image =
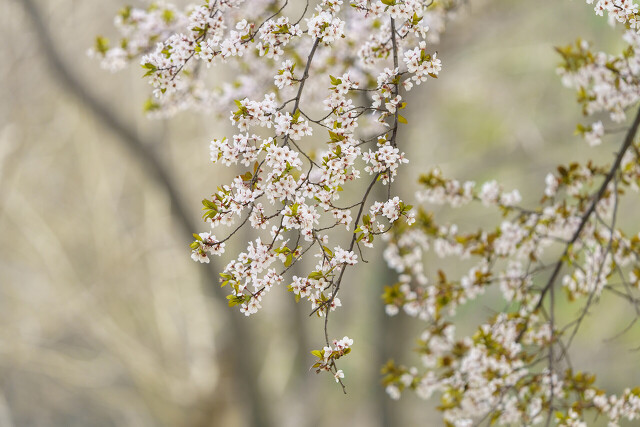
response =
{"points": [[104, 318]]}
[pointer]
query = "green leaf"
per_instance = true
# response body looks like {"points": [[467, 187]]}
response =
{"points": [[237, 299], [335, 137], [125, 13], [149, 104], [102, 44], [316, 275], [150, 68], [167, 15], [402, 120]]}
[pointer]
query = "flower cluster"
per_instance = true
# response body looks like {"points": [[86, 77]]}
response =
{"points": [[489, 373], [421, 64], [325, 25], [204, 244], [275, 35], [510, 371], [329, 354], [604, 82], [618, 10], [296, 159], [171, 42], [139, 29], [316, 109]]}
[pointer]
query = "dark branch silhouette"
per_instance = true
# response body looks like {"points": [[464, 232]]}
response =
{"points": [[242, 369]]}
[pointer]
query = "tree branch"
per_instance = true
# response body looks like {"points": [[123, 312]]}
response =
{"points": [[628, 141]]}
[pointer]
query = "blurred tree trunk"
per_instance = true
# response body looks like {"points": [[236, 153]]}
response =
{"points": [[237, 346]]}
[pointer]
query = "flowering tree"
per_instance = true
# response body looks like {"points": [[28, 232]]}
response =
{"points": [[316, 96]]}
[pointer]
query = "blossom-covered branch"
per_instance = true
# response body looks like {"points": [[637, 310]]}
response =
{"points": [[356, 60], [515, 369], [304, 139]]}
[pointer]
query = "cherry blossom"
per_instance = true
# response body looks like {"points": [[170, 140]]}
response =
{"points": [[316, 102]]}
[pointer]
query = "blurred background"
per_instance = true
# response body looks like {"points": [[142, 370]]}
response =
{"points": [[104, 318]]}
